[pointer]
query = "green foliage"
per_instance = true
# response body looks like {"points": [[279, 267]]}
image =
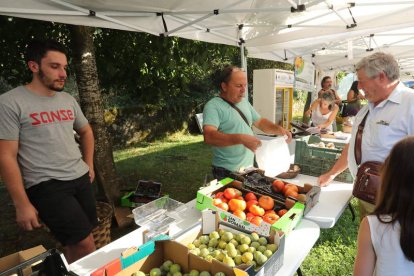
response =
{"points": [[14, 34]]}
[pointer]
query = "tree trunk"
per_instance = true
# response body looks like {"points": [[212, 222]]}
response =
{"points": [[91, 103]]}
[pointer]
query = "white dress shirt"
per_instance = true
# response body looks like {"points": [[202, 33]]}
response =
{"points": [[386, 124]]}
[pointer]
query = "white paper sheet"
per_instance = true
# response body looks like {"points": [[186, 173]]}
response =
{"points": [[273, 156]]}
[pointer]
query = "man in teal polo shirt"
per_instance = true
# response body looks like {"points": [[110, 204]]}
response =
{"points": [[228, 130]]}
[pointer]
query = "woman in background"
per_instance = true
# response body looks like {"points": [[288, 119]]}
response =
{"points": [[354, 98], [323, 111], [386, 238]]}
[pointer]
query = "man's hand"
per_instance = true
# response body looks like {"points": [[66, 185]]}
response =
{"points": [[251, 142], [26, 217], [91, 174], [288, 135], [325, 179]]}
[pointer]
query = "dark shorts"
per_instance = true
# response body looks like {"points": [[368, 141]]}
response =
{"points": [[68, 208]]}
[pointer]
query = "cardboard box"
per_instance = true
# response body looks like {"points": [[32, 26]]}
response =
{"points": [[128, 258], [312, 192], [15, 259], [286, 223], [179, 254], [211, 222]]}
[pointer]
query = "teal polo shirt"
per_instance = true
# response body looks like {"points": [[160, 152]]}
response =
{"points": [[226, 119]]}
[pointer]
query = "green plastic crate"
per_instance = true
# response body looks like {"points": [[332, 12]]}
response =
{"points": [[315, 161]]}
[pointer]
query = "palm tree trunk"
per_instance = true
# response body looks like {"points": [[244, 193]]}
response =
{"points": [[92, 106]]}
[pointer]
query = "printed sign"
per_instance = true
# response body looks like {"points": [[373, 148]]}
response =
{"points": [[304, 74]]}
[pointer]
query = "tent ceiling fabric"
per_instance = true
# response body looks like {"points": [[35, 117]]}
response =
{"points": [[334, 34]]}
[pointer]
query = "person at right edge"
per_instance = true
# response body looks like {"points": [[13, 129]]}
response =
{"points": [[386, 238], [390, 118]]}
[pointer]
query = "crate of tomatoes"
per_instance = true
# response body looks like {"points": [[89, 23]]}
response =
{"points": [[248, 210], [255, 180]]}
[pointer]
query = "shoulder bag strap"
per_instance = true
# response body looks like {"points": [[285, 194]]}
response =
{"points": [[238, 110], [358, 140]]}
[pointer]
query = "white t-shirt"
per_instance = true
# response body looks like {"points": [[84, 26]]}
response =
{"points": [[385, 238]]}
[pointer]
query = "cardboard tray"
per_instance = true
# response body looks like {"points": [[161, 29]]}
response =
{"points": [[177, 253], [211, 222], [286, 223], [254, 180]]}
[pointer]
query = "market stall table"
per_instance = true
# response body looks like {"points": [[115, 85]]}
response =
{"points": [[333, 200], [298, 244]]}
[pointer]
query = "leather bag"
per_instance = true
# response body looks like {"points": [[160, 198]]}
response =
{"points": [[367, 180]]}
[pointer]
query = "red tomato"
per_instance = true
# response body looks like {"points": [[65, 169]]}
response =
{"points": [[278, 185], [292, 187], [270, 218], [219, 194], [237, 204], [217, 201], [256, 221], [256, 210], [230, 193], [250, 196], [270, 212], [266, 202], [223, 206], [281, 212], [249, 216], [240, 214], [291, 193], [251, 202]]}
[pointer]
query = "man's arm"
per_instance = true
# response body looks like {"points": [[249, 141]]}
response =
{"points": [[340, 165], [270, 128], [26, 214], [219, 139], [87, 147]]}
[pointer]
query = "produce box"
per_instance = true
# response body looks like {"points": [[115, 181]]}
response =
{"points": [[18, 258], [256, 181], [128, 258], [314, 160], [211, 228], [293, 216], [179, 254]]}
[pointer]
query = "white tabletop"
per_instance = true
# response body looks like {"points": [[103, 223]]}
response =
{"points": [[113, 250], [298, 244], [333, 200]]}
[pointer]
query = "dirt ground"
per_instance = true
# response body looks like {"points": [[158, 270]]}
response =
{"points": [[13, 239]]}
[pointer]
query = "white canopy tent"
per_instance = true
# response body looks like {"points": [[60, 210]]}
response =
{"points": [[334, 34]]}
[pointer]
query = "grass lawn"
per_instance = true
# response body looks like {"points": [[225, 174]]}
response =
{"points": [[182, 164]]}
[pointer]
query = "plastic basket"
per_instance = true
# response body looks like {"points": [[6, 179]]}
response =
{"points": [[102, 232], [316, 161]]}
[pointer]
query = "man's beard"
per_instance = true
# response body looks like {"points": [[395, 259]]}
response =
{"points": [[49, 83]]}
